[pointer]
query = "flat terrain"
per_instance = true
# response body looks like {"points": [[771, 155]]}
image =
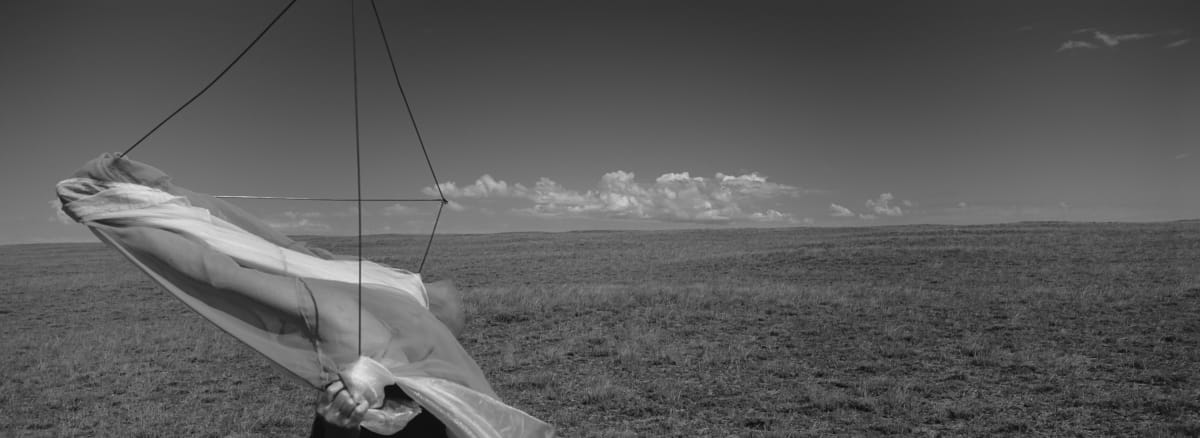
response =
{"points": [[1033, 329]]}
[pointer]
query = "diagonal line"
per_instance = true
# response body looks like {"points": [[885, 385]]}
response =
{"points": [[403, 96], [214, 80]]}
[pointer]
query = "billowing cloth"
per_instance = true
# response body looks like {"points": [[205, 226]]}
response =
{"points": [[297, 306]]}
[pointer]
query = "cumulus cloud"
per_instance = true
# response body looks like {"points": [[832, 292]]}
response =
{"points": [[676, 197], [840, 211], [754, 185], [881, 206], [876, 208], [770, 215], [483, 187], [410, 210], [962, 205]]}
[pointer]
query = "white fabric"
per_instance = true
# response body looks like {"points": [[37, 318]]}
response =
{"points": [[135, 204]]}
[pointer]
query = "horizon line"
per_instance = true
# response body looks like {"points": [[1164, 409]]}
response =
{"points": [[709, 228]]}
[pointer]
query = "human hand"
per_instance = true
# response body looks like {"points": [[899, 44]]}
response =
{"points": [[365, 380], [339, 408]]}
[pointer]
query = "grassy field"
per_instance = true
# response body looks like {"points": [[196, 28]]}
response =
{"points": [[1035, 329]]}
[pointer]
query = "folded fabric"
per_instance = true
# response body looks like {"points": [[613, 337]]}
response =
{"points": [[297, 306]]}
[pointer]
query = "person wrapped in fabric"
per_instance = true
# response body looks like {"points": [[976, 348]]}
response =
{"points": [[339, 413]]}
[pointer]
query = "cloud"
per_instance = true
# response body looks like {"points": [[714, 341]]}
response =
{"points": [[752, 184], [1113, 40], [770, 215], [483, 187], [672, 197], [881, 207], [1183, 155], [1109, 40], [1177, 43], [1072, 44], [962, 205], [839, 211], [876, 208], [409, 210]]}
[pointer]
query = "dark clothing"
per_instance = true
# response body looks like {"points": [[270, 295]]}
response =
{"points": [[423, 425]]}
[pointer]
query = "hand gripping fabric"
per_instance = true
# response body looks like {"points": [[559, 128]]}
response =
{"points": [[295, 305]]}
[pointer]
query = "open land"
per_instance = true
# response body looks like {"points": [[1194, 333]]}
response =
{"points": [[1030, 329]]}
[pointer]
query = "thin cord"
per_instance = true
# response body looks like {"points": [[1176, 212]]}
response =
{"points": [[404, 97], [431, 233], [302, 198], [420, 140], [357, 166], [214, 80]]}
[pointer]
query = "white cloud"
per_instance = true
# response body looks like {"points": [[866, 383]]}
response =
{"points": [[1109, 40], [1174, 44], [1072, 44], [769, 216], [483, 187], [962, 205], [755, 185], [409, 210], [1112, 40], [839, 211], [675, 197], [881, 207], [869, 217], [1183, 155]]}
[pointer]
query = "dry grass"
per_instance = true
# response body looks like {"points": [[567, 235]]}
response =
{"points": [[1021, 330]]}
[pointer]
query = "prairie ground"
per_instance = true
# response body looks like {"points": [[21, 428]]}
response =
{"points": [[1032, 329]]}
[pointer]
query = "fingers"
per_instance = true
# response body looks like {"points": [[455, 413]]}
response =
{"points": [[356, 416], [344, 404], [340, 408], [332, 391]]}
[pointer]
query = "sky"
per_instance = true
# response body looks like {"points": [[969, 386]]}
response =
{"points": [[571, 115]]}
